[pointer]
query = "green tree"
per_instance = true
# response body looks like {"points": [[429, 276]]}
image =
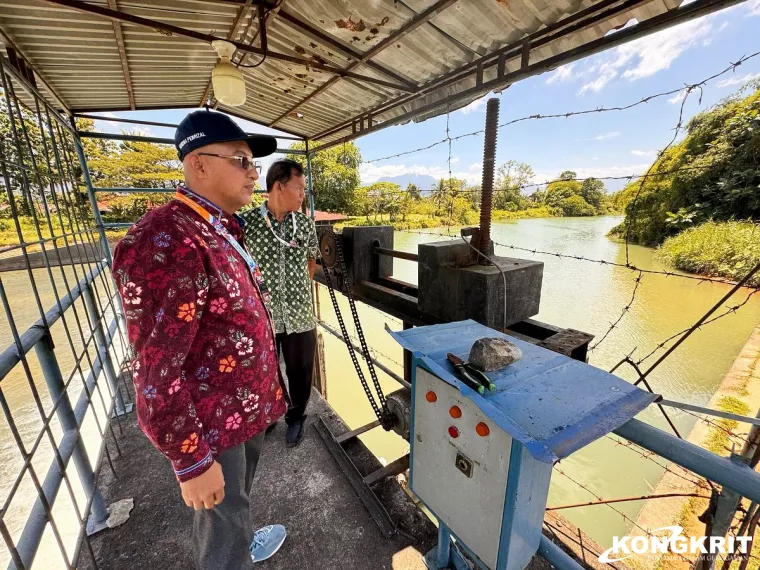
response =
{"points": [[510, 178], [560, 190], [23, 183], [445, 194], [567, 175], [714, 173], [385, 198], [334, 175], [575, 205], [592, 191], [413, 191]]}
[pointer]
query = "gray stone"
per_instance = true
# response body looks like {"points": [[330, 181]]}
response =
{"points": [[119, 512], [491, 354]]}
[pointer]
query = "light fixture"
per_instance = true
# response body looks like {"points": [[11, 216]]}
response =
{"points": [[227, 80]]}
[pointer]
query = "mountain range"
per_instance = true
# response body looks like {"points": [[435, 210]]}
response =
{"points": [[422, 181]]}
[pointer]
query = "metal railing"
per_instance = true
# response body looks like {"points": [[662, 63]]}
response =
{"points": [[63, 343]]}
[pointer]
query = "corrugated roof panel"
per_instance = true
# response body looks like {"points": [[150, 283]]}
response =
{"points": [[78, 55]]}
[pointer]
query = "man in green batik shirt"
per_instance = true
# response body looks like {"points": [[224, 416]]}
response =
{"points": [[284, 243]]}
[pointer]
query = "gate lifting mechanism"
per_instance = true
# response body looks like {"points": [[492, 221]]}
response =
{"points": [[332, 255], [392, 411]]}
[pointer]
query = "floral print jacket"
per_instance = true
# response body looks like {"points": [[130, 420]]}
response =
{"points": [[205, 368]]}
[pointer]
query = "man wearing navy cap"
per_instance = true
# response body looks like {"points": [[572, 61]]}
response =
{"points": [[205, 370]]}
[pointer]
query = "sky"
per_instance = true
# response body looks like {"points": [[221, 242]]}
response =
{"points": [[598, 144]]}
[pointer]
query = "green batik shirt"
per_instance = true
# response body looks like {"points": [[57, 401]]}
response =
{"points": [[285, 268]]}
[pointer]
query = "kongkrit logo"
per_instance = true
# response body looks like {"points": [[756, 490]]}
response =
{"points": [[674, 542]]}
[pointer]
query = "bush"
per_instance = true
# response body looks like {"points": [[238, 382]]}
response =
{"points": [[713, 173], [576, 206], [721, 249]]}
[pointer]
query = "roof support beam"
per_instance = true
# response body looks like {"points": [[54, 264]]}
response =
{"points": [[122, 55], [341, 47], [407, 28], [239, 19], [696, 9], [208, 38]]}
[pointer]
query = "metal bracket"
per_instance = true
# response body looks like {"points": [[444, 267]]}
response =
{"points": [[358, 482], [124, 412]]}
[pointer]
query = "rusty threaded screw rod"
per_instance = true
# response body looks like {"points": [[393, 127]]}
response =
{"points": [[489, 166]]}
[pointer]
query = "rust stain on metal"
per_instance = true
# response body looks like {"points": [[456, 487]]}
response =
{"points": [[358, 26], [384, 21], [312, 45], [300, 50], [504, 3], [301, 75], [356, 39], [374, 31]]}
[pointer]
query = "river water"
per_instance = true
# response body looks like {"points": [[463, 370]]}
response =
{"points": [[588, 297], [576, 294]]}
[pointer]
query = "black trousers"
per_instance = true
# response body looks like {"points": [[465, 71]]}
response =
{"points": [[222, 535], [298, 350]]}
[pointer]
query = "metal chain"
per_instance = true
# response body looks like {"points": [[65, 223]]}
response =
{"points": [[381, 411]]}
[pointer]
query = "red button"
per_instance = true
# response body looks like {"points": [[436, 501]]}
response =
{"points": [[482, 429], [431, 397], [455, 412], [453, 432]]}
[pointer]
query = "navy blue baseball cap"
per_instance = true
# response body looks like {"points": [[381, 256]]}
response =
{"points": [[201, 128]]}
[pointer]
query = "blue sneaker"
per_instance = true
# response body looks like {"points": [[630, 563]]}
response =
{"points": [[267, 541]]}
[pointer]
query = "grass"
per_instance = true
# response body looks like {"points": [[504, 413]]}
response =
{"points": [[716, 249], [9, 235], [718, 441], [421, 221]]}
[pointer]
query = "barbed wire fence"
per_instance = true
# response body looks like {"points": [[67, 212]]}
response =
{"points": [[672, 342]]}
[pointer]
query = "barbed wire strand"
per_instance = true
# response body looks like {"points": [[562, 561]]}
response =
{"points": [[650, 456], [629, 267], [688, 87], [729, 311], [622, 314], [609, 506]]}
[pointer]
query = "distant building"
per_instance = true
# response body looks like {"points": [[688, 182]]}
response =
{"points": [[327, 218]]}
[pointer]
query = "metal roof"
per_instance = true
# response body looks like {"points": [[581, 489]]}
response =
{"points": [[334, 69]]}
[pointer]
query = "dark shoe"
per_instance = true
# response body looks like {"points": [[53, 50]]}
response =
{"points": [[294, 435]]}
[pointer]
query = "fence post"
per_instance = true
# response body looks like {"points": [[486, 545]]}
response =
{"points": [[54, 379], [97, 324]]}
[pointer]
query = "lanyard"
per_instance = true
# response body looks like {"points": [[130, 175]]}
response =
{"points": [[253, 267], [268, 222]]}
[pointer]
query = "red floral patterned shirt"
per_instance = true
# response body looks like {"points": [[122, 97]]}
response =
{"points": [[205, 369]]}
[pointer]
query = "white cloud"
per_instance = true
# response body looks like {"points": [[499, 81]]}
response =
{"points": [[649, 55], [754, 8], [678, 97], [607, 136], [647, 153], [372, 173], [475, 105], [737, 79], [454, 160], [561, 74], [476, 166]]}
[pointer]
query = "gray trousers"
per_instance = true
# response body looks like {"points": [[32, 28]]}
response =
{"points": [[222, 535]]}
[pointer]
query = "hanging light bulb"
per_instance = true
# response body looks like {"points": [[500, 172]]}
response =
{"points": [[227, 80]]}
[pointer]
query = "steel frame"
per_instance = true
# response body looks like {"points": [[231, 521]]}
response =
{"points": [[42, 183]]}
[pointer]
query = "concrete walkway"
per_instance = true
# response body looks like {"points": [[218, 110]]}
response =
{"points": [[302, 488]]}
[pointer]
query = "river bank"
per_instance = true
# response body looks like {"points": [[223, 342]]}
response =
{"points": [[739, 393], [424, 221]]}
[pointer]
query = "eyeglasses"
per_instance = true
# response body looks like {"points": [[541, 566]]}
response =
{"points": [[244, 162]]}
